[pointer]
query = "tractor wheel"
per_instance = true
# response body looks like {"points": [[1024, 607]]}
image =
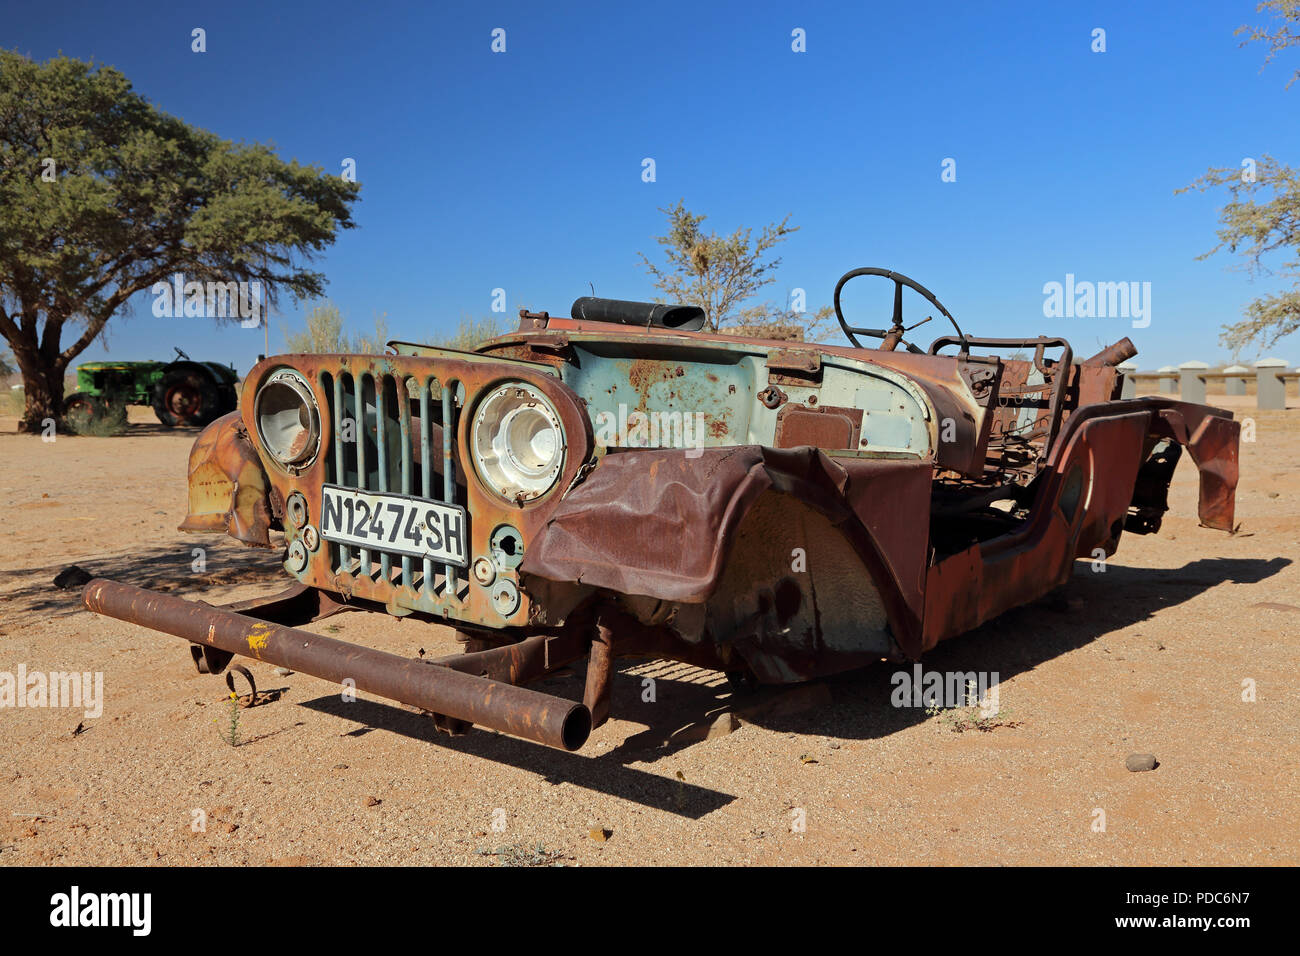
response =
{"points": [[229, 401], [186, 396], [87, 414]]}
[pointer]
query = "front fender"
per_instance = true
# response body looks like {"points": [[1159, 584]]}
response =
{"points": [[229, 490], [661, 523]]}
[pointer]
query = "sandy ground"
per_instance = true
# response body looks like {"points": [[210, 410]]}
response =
{"points": [[1149, 656]]}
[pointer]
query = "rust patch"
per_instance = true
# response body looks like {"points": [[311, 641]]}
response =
{"points": [[644, 374], [825, 427], [228, 489]]}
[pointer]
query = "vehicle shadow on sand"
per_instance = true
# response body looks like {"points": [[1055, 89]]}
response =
{"points": [[554, 766], [28, 592], [851, 706], [145, 429]]}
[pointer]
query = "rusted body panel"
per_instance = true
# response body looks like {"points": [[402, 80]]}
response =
{"points": [[229, 490], [730, 373], [1081, 508], [775, 510]]}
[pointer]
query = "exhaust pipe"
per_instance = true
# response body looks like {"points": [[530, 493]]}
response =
{"points": [[519, 711], [1121, 351]]}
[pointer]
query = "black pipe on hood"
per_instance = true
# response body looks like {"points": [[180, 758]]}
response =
{"points": [[685, 318]]}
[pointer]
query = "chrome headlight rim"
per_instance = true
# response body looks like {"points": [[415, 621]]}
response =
{"points": [[518, 442], [272, 416]]}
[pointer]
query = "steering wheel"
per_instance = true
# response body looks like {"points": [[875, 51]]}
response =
{"points": [[893, 335], [180, 355]]}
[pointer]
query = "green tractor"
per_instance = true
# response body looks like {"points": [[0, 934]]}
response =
{"points": [[181, 392]]}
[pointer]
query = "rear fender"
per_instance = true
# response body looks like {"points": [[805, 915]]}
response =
{"points": [[1212, 440], [1109, 472]]}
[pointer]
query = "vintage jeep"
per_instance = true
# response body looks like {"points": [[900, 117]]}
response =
{"points": [[181, 392], [620, 483]]}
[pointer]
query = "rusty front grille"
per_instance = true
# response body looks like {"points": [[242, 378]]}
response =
{"points": [[388, 435]]}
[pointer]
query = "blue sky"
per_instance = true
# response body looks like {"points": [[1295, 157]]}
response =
{"points": [[523, 170]]}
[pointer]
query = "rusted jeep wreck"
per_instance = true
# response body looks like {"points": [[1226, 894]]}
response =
{"points": [[622, 484]]}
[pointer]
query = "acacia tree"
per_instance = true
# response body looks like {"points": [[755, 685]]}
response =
{"points": [[718, 273], [1279, 35], [103, 195], [1262, 216]]}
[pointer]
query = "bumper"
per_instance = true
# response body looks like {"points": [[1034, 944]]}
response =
{"points": [[454, 690]]}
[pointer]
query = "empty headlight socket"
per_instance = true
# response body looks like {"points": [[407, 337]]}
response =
{"points": [[507, 547]]}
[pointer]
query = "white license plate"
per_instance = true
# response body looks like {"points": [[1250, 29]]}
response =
{"points": [[379, 521]]}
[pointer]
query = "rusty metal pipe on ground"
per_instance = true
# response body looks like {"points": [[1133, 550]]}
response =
{"points": [[498, 706]]}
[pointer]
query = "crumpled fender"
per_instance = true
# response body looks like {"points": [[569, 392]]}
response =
{"points": [[1212, 438], [229, 489], [660, 522]]}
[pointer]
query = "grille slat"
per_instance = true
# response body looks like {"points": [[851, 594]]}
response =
{"points": [[359, 393], [381, 443], [404, 429], [448, 474], [390, 411], [340, 466], [426, 465]]}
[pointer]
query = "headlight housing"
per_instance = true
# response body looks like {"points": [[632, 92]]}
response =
{"points": [[288, 419], [518, 442]]}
